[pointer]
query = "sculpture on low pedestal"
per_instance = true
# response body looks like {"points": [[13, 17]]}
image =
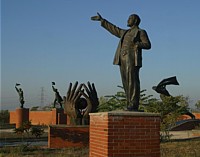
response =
{"points": [[78, 104], [21, 95], [128, 55]]}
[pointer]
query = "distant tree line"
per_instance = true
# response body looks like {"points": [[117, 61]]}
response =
{"points": [[4, 117]]}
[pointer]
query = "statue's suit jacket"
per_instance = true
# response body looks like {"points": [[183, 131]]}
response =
{"points": [[140, 38]]}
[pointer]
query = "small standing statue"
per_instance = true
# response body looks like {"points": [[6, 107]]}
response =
{"points": [[58, 98], [21, 95]]}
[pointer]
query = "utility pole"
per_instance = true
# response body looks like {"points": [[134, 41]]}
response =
{"points": [[42, 97]]}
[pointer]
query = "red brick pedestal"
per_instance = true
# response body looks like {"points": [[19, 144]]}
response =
{"points": [[22, 115], [63, 136], [124, 134]]}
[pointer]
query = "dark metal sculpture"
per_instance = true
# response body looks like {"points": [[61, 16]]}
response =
{"points": [[161, 87], [78, 104], [128, 55], [21, 95], [58, 99]]}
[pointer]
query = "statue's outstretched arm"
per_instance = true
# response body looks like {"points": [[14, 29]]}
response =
{"points": [[97, 18]]}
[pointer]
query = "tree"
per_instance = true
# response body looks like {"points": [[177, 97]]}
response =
{"points": [[118, 101], [170, 109], [113, 102], [25, 129], [198, 105], [4, 116]]}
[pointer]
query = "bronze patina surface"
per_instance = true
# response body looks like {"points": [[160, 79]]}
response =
{"points": [[128, 55]]}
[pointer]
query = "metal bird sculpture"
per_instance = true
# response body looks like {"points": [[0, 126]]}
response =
{"points": [[161, 87]]}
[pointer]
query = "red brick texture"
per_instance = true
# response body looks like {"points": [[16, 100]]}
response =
{"points": [[56, 116], [124, 134], [62, 136], [22, 115], [12, 117], [41, 117]]}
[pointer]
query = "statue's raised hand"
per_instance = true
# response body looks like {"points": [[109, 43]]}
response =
{"points": [[70, 101], [97, 18]]}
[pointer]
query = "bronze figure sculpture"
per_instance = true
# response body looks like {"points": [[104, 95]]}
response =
{"points": [[78, 104], [58, 99], [128, 55], [161, 87], [21, 95]]}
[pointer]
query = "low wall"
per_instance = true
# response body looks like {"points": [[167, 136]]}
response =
{"points": [[41, 117], [13, 117], [55, 116], [62, 136]]}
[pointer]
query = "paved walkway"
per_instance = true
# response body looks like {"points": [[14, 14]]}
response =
{"points": [[184, 134]]}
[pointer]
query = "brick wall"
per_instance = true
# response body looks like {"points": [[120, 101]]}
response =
{"points": [[124, 134], [41, 117], [16, 116], [56, 116], [62, 136], [12, 117]]}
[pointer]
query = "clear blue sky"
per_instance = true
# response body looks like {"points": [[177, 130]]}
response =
{"points": [[55, 40]]}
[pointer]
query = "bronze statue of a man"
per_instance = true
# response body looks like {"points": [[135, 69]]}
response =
{"points": [[128, 55]]}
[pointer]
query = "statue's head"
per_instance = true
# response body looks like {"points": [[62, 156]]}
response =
{"points": [[133, 20]]}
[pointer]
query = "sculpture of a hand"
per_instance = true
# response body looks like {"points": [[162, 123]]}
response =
{"points": [[73, 94], [91, 97], [78, 108]]}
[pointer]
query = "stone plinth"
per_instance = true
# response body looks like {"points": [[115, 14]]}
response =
{"points": [[22, 115], [63, 136], [124, 133]]}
